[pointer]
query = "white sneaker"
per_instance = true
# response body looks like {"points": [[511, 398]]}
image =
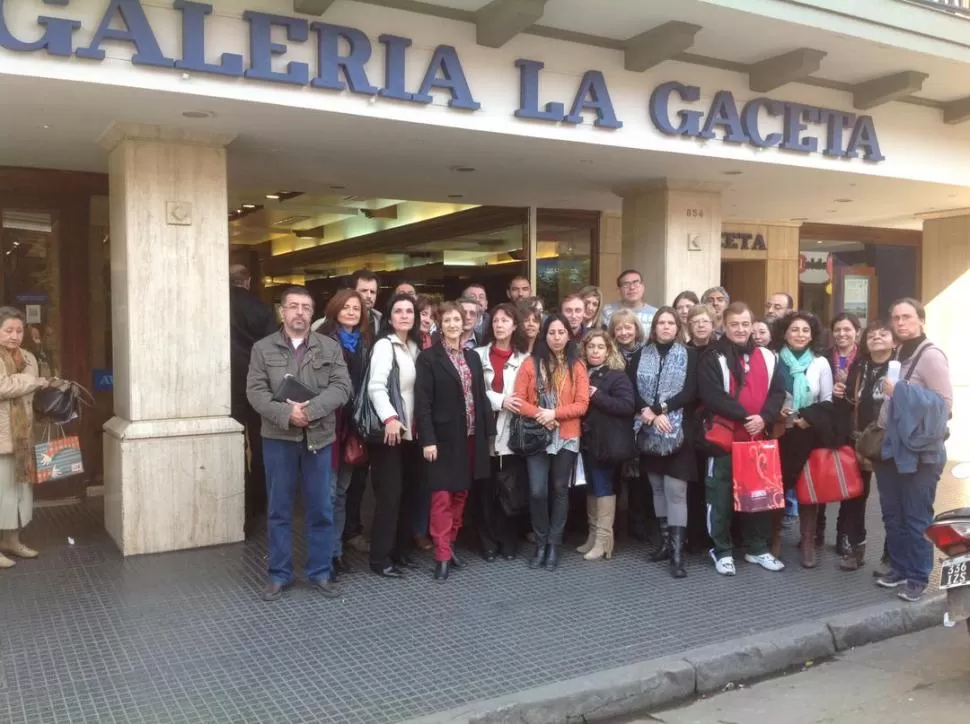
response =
{"points": [[724, 566], [766, 561]]}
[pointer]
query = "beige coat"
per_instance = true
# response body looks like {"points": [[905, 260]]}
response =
{"points": [[11, 388]]}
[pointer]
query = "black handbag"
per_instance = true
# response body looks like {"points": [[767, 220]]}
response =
{"points": [[62, 402], [512, 485], [526, 436], [369, 426]]}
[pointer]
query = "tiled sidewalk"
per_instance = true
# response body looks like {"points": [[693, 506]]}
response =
{"points": [[87, 636]]}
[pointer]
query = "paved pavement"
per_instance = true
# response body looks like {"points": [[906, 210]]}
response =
{"points": [[88, 636], [921, 677]]}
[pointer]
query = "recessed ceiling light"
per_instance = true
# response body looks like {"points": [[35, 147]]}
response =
{"points": [[45, 126], [249, 206], [843, 201], [733, 173], [274, 197], [463, 169], [819, 242], [196, 115], [456, 196]]}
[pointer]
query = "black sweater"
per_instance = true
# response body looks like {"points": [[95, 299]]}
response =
{"points": [[716, 400]]}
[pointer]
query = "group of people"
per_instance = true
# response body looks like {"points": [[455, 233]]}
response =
{"points": [[509, 410]]}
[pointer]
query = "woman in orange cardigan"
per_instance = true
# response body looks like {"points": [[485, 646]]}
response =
{"points": [[557, 399]]}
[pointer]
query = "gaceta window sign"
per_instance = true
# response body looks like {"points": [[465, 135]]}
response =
{"points": [[343, 52]]}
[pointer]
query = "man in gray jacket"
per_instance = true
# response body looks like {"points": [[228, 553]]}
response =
{"points": [[297, 439]]}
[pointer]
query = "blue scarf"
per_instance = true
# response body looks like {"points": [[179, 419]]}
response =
{"points": [[348, 340], [795, 381], [659, 379]]}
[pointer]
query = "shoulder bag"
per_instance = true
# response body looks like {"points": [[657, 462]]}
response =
{"points": [[369, 426], [869, 445], [526, 436], [61, 403]]}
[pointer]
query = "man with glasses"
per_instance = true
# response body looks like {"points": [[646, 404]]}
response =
{"points": [[778, 305], [630, 285], [297, 439]]}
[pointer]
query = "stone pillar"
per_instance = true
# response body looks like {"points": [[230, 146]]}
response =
{"points": [[173, 458], [672, 235], [945, 290], [610, 253]]}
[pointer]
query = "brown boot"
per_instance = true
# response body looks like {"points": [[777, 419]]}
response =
{"points": [[808, 517], [606, 511], [777, 518], [854, 558], [592, 508]]}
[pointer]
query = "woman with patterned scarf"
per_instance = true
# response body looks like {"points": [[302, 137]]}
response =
{"points": [[18, 381], [808, 379], [664, 374]]}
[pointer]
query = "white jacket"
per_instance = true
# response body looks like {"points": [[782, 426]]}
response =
{"points": [[380, 369], [509, 372], [819, 378]]}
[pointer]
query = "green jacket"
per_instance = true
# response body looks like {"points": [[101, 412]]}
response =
{"points": [[322, 368]]}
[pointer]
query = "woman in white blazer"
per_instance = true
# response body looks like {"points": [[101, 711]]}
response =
{"points": [[501, 359], [396, 462]]}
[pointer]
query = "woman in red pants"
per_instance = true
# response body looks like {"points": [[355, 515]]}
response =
{"points": [[454, 424]]}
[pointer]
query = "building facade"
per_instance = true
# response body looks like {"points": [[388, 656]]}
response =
{"points": [[743, 142]]}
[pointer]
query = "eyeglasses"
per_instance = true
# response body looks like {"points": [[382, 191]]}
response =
{"points": [[630, 285]]}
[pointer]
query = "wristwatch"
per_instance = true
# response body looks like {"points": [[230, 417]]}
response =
{"points": [[663, 408]]}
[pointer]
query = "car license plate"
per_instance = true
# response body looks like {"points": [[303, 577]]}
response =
{"points": [[955, 572]]}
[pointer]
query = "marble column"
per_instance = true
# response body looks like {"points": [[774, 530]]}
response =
{"points": [[945, 289], [173, 457], [671, 233]]}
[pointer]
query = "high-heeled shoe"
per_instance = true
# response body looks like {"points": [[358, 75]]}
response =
{"points": [[441, 571], [456, 562]]}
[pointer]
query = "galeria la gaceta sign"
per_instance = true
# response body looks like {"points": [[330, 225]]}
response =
{"points": [[343, 53]]}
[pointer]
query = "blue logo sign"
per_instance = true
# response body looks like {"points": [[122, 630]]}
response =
{"points": [[104, 380], [343, 53]]}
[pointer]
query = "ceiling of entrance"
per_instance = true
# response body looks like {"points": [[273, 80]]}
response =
{"points": [[340, 161]]}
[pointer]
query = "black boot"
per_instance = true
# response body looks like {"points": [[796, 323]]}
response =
{"points": [[552, 558], [441, 571], [539, 557], [456, 562], [663, 552], [820, 527], [842, 545], [677, 535]]}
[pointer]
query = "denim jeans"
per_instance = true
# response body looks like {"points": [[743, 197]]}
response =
{"points": [[345, 475], [599, 477], [791, 503], [287, 465], [548, 526], [907, 511]]}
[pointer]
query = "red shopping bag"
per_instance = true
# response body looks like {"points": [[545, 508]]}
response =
{"points": [[829, 476], [756, 474]]}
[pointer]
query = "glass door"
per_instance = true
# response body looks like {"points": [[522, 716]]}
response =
{"points": [[29, 252]]}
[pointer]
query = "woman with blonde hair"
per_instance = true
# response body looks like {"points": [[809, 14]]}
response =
{"points": [[607, 438], [593, 307], [626, 332], [701, 323]]}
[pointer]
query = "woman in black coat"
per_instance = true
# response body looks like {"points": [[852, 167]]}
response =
{"points": [[664, 375], [454, 424], [607, 438]]}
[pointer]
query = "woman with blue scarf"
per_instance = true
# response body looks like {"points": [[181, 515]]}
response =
{"points": [[808, 379], [345, 323], [664, 374]]}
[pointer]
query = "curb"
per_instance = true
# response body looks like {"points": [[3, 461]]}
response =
{"points": [[658, 683]]}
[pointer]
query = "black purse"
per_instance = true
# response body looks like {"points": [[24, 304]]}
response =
{"points": [[61, 403], [366, 420], [526, 436]]}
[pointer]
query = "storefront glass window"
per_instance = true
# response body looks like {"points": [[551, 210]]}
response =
{"points": [[565, 249]]}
